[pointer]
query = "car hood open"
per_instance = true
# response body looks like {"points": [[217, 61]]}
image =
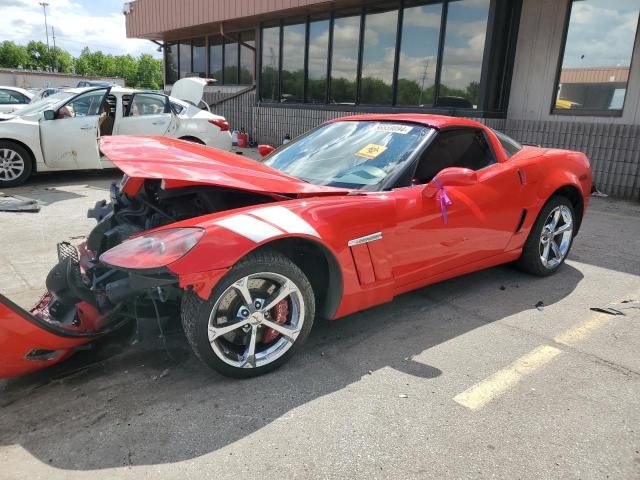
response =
{"points": [[180, 161]]}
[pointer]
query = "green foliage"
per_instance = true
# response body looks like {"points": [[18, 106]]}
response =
{"points": [[12, 55], [143, 72]]}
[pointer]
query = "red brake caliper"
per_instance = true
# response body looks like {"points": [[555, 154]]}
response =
{"points": [[279, 314]]}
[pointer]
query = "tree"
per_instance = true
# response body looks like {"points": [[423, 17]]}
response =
{"points": [[149, 72], [39, 58], [62, 60], [12, 55], [143, 72]]}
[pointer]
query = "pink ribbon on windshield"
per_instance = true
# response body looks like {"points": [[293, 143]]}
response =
{"points": [[443, 199]]}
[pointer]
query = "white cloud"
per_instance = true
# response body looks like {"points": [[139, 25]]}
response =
{"points": [[75, 27]]}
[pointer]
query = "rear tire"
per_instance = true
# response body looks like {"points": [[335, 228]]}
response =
{"points": [[550, 239], [241, 311], [16, 164]]}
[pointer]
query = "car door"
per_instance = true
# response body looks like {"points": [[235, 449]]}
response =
{"points": [[482, 216], [11, 100], [146, 114], [69, 138]]}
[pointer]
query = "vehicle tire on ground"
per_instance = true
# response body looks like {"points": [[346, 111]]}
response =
{"points": [[550, 238], [16, 164], [255, 319]]}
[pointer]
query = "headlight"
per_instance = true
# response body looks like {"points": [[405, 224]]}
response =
{"points": [[153, 250]]}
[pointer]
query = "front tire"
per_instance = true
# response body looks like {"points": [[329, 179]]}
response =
{"points": [[16, 164], [550, 238], [255, 319]]}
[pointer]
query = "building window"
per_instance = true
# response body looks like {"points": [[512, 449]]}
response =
{"points": [[269, 78], [215, 58], [424, 54], [171, 64], [231, 52], [464, 47], [198, 52], [318, 56], [378, 57], [247, 57], [292, 74], [419, 54], [184, 52], [594, 71], [344, 59]]}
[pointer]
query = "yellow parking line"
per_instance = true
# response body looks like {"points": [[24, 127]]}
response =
{"points": [[574, 335], [498, 383]]}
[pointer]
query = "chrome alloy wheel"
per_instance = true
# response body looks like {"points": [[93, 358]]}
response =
{"points": [[556, 235], [244, 314], [11, 165]]}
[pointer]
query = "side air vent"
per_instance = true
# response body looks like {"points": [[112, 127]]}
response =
{"points": [[523, 217]]}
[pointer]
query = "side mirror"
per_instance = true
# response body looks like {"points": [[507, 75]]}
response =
{"points": [[49, 114], [265, 150], [451, 177]]}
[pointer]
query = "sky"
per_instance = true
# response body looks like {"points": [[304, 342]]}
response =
{"points": [[97, 24], [601, 33]]}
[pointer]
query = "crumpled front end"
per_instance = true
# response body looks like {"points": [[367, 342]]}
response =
{"points": [[29, 342], [85, 301]]}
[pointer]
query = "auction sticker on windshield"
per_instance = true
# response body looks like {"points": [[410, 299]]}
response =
{"points": [[371, 151], [393, 128]]}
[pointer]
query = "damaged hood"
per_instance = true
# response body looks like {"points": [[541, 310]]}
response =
{"points": [[181, 161]]}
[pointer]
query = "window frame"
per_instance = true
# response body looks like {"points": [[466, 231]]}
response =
{"points": [[585, 112], [495, 74], [167, 104], [23, 99]]}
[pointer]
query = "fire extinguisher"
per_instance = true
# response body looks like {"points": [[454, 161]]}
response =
{"points": [[243, 139]]}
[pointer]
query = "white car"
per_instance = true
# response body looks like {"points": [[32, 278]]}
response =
{"points": [[13, 98], [61, 132]]}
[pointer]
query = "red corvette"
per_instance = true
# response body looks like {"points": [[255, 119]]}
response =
{"points": [[345, 217]]}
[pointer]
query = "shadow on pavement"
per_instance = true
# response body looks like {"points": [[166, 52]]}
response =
{"points": [[140, 408]]}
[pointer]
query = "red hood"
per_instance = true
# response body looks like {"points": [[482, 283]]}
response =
{"points": [[170, 159]]}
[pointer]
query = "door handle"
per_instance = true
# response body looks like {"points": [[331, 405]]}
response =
{"points": [[86, 127]]}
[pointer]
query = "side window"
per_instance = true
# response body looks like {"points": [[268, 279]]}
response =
{"points": [[147, 104], [85, 105], [11, 97], [511, 147], [463, 147]]}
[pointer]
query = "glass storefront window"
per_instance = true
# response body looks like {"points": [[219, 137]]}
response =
{"points": [[317, 61], [230, 76], [270, 64], [215, 58], [373, 55], [463, 54], [185, 59], [292, 74], [594, 72], [247, 57], [199, 54], [419, 54], [344, 60], [172, 73], [378, 57]]}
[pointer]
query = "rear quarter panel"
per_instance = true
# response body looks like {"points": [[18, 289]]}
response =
{"points": [[544, 172]]}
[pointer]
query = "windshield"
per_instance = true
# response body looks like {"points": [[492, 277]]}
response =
{"points": [[45, 104], [358, 155]]}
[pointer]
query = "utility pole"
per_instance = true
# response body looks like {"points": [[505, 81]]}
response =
{"points": [[55, 57], [46, 27]]}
